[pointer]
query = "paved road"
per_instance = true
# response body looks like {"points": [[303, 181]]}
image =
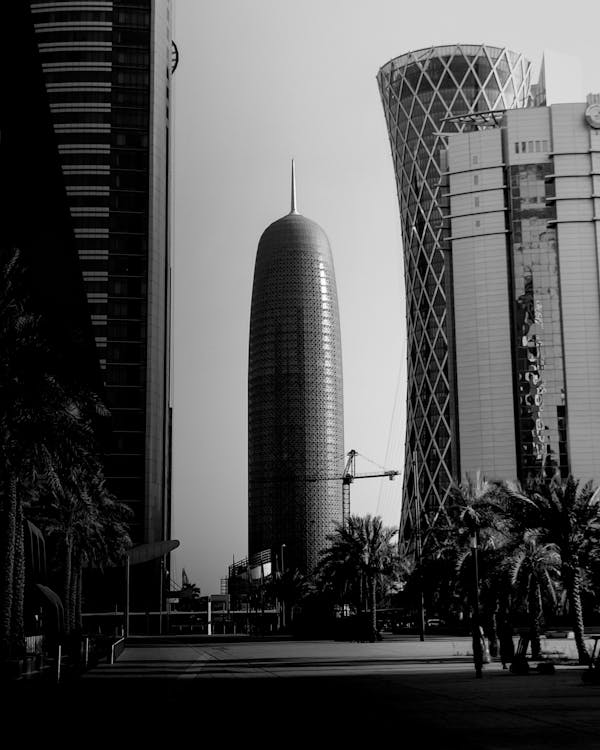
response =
{"points": [[273, 694]]}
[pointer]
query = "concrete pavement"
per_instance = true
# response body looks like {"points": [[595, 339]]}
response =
{"points": [[273, 691]]}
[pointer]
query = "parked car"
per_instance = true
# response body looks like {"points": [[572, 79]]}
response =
{"points": [[435, 622]]}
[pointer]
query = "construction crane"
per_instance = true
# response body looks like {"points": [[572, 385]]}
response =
{"points": [[349, 475]]}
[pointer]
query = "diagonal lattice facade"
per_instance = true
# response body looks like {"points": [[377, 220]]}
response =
{"points": [[424, 93]]}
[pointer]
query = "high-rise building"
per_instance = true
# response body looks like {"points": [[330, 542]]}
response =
{"points": [[295, 401], [497, 196], [428, 94], [35, 213], [107, 68], [524, 221]]}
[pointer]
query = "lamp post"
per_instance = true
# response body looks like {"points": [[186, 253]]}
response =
{"points": [[476, 631], [283, 587], [421, 607]]}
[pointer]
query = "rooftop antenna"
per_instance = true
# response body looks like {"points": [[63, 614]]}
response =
{"points": [[293, 211]]}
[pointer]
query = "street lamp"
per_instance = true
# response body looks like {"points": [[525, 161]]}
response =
{"points": [[283, 586], [421, 603], [476, 630]]}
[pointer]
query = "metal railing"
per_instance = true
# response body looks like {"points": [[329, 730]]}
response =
{"points": [[116, 650]]}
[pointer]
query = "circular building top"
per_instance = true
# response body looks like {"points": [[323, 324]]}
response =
{"points": [[294, 230]]}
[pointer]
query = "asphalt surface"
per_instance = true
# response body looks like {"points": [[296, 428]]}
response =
{"points": [[276, 693]]}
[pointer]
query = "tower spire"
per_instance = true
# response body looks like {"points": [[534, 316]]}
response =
{"points": [[293, 211]]}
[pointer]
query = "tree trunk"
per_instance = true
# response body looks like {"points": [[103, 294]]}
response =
{"points": [[74, 586], [493, 639], [373, 607], [8, 560], [535, 614], [17, 617], [67, 581], [573, 583], [361, 598], [78, 597]]}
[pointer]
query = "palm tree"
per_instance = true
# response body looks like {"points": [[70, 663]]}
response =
{"points": [[534, 568], [568, 516], [43, 425], [483, 529], [87, 525], [34, 409], [360, 557]]}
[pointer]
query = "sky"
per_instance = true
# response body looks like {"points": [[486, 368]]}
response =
{"points": [[259, 83]]}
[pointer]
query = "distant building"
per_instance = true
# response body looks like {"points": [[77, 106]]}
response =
{"points": [[497, 196], [295, 401]]}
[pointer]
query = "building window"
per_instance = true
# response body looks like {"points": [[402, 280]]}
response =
{"points": [[523, 147], [477, 223], [537, 146], [476, 201], [475, 179], [516, 147], [530, 146], [545, 146], [475, 160]]}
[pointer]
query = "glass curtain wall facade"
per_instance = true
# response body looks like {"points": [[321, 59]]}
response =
{"points": [[524, 237], [295, 403], [426, 95], [107, 72], [541, 395]]}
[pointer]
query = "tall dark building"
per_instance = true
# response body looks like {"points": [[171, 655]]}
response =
{"points": [[295, 400], [35, 213], [107, 70], [427, 95]]}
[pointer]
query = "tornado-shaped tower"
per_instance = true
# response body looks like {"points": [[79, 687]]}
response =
{"points": [[426, 95], [295, 401]]}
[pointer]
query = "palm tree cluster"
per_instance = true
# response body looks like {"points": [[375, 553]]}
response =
{"points": [[358, 571], [50, 471], [537, 552], [360, 565], [503, 556]]}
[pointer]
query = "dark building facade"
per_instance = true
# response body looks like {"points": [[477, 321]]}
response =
{"points": [[427, 95], [107, 70], [35, 213], [295, 399]]}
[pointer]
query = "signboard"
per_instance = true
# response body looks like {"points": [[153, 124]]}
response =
{"points": [[144, 552]]}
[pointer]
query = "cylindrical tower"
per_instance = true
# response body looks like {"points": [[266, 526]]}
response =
{"points": [[295, 402], [427, 94]]}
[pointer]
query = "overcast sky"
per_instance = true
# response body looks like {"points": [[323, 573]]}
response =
{"points": [[261, 82]]}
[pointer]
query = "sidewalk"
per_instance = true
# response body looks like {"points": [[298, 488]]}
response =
{"points": [[559, 648], [315, 692]]}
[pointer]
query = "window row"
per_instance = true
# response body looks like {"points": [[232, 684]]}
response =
{"points": [[523, 147]]}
